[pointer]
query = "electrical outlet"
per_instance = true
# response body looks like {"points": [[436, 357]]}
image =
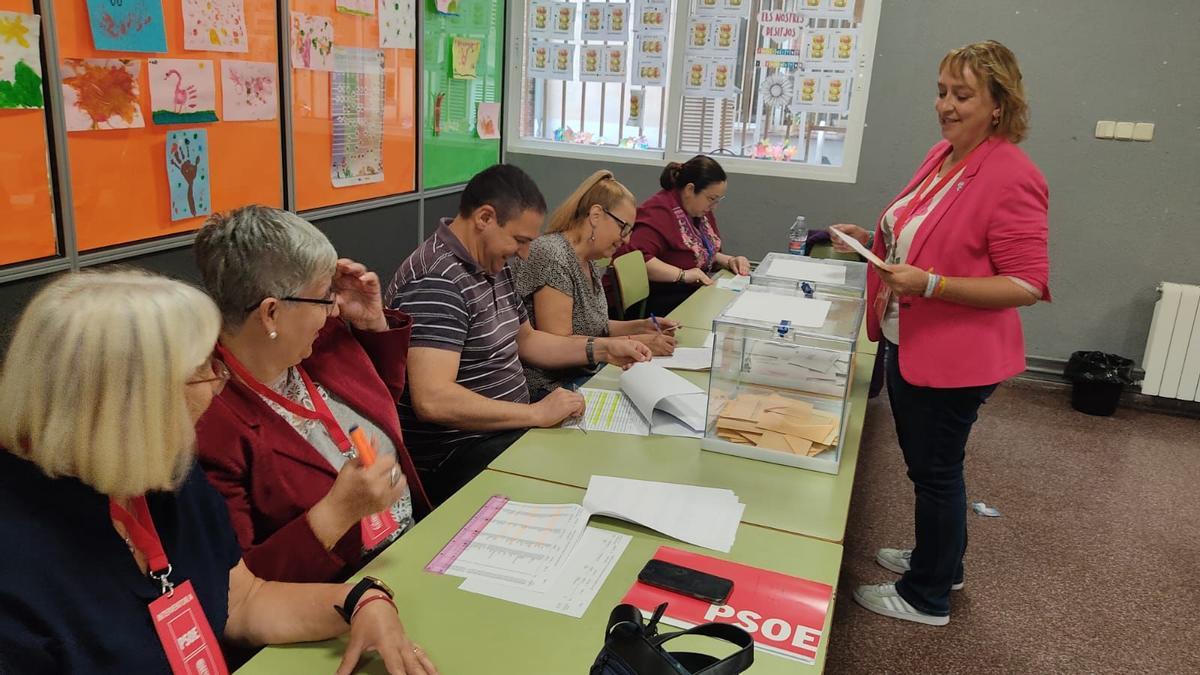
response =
{"points": [[1143, 131], [1105, 129], [1124, 131]]}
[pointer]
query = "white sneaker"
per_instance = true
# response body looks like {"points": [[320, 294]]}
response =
{"points": [[899, 560], [883, 599]]}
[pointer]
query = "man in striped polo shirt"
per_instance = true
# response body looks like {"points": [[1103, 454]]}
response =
{"points": [[467, 399]]}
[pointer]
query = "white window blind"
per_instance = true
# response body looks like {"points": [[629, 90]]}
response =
{"points": [[780, 95], [593, 74], [768, 87]]}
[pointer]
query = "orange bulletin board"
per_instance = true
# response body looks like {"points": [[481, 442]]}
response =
{"points": [[312, 126], [119, 183], [27, 229]]}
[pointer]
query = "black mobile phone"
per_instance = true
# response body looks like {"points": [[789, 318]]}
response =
{"points": [[686, 581]]}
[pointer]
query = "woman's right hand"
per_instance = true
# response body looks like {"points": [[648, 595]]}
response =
{"points": [[660, 344], [696, 276], [854, 231], [360, 491]]}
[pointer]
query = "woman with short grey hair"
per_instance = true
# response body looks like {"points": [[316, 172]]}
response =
{"points": [[315, 359]]}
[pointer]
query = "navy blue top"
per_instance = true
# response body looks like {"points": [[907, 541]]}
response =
{"points": [[72, 599]]}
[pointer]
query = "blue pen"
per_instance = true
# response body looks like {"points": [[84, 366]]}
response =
{"points": [[654, 320]]}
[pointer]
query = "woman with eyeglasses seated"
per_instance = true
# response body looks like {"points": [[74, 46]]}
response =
{"points": [[677, 233], [313, 356], [561, 286], [119, 556]]}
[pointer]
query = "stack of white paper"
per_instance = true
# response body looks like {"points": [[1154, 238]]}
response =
{"points": [[777, 307], [653, 388], [576, 584], [702, 516], [686, 358], [541, 555], [800, 269], [735, 283]]}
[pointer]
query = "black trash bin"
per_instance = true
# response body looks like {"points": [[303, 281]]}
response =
{"points": [[1097, 380]]}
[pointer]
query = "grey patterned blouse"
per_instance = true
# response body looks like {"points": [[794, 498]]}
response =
{"points": [[552, 262]]}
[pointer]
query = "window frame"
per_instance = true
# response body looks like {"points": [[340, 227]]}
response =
{"points": [[847, 172]]}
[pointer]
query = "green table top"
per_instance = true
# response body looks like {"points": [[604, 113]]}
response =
{"points": [[469, 634], [794, 500]]}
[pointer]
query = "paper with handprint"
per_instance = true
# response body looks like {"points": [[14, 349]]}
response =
{"points": [[187, 173], [182, 91], [248, 91]]}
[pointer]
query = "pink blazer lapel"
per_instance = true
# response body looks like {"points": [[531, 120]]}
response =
{"points": [[956, 188], [936, 155]]}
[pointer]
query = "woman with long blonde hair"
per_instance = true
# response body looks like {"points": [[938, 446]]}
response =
{"points": [[561, 285]]}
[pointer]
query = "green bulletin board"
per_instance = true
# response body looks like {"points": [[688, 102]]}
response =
{"points": [[453, 150]]}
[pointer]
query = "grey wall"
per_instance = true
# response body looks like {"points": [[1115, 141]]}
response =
{"points": [[1123, 215], [380, 239]]}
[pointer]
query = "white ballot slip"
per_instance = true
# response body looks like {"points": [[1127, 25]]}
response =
{"points": [[858, 248]]}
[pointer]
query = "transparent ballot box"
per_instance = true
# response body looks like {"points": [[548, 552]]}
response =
{"points": [[779, 388], [826, 275]]}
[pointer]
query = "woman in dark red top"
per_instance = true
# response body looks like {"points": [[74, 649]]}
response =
{"points": [[677, 233]]}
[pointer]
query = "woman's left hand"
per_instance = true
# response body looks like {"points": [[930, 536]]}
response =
{"points": [[359, 296], [376, 628], [904, 280], [739, 265]]}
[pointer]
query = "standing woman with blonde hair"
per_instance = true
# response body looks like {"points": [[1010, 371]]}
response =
{"points": [[966, 244], [114, 537], [562, 288]]}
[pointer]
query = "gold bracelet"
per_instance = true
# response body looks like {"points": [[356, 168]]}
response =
{"points": [[941, 287]]}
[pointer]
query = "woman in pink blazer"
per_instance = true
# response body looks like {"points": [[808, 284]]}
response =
{"points": [[964, 245]]}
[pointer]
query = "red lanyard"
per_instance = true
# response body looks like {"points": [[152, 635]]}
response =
{"points": [[320, 411], [922, 196], [140, 526]]}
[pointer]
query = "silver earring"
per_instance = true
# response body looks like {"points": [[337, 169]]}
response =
{"points": [[272, 335]]}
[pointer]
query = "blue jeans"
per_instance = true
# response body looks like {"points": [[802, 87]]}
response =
{"points": [[933, 426]]}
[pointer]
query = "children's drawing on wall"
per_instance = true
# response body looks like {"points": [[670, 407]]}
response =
{"points": [[312, 42], [465, 57], [182, 91], [187, 173], [20, 64], [357, 7], [487, 121], [101, 94], [248, 91], [127, 25], [398, 24], [214, 26]]}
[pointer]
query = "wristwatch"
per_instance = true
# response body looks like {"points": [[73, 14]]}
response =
{"points": [[590, 349], [347, 609]]}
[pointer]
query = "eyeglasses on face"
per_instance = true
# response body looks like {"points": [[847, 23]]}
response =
{"points": [[714, 200], [626, 227], [220, 374], [328, 301]]}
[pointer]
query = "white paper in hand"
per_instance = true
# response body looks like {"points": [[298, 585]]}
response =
{"points": [[858, 248]]}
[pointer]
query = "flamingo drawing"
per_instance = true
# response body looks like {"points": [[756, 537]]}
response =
{"points": [[185, 97]]}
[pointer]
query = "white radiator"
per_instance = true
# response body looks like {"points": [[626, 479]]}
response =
{"points": [[1172, 360]]}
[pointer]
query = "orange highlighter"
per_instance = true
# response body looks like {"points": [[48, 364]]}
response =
{"points": [[363, 445]]}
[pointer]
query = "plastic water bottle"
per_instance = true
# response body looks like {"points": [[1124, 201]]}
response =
{"points": [[797, 235]]}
